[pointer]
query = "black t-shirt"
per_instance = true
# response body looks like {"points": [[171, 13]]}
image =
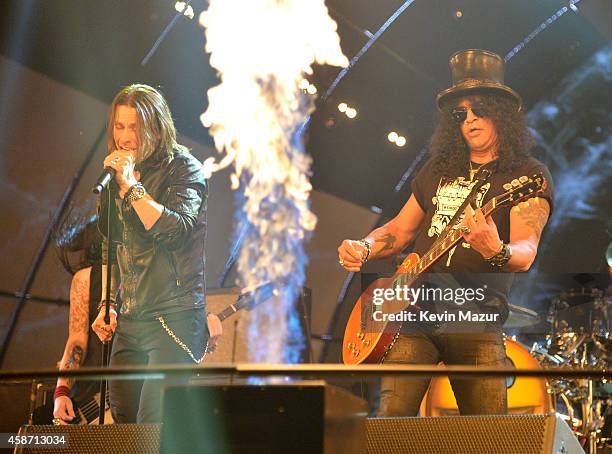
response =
{"points": [[439, 197]]}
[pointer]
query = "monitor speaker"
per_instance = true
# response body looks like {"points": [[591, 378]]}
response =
{"points": [[105, 439], [516, 434]]}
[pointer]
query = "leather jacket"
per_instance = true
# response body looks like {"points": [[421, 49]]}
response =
{"points": [[161, 270]]}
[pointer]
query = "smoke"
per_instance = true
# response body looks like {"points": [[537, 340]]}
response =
{"points": [[262, 49]]}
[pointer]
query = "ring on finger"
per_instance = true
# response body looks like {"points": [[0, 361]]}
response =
{"points": [[341, 262], [465, 229]]}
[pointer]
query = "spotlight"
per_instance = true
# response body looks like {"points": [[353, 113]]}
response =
{"points": [[351, 113], [181, 8], [458, 14], [304, 84], [342, 107], [401, 141], [311, 89], [392, 136]]}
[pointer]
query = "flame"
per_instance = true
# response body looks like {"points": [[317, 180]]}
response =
{"points": [[262, 50]]}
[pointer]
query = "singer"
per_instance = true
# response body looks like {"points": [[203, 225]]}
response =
{"points": [[158, 312]]}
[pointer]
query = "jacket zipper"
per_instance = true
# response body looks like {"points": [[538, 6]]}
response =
{"points": [[173, 265]]}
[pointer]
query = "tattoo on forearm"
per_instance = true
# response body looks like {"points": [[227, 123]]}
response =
{"points": [[75, 358], [74, 361], [535, 216], [387, 240], [79, 306]]}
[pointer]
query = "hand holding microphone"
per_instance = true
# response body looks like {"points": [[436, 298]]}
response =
{"points": [[119, 164]]}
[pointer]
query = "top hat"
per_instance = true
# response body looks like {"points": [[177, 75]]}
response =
{"points": [[476, 70]]}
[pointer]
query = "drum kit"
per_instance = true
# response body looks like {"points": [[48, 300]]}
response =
{"points": [[580, 338]]}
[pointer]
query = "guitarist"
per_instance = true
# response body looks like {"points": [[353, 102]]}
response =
{"points": [[481, 125], [81, 239]]}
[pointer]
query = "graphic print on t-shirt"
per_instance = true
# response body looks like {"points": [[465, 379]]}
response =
{"points": [[449, 196]]}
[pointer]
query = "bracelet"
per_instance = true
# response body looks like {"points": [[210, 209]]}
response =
{"points": [[135, 192], [112, 304], [60, 391], [368, 247], [502, 257]]}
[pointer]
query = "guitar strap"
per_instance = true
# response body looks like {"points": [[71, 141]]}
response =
{"points": [[481, 177]]}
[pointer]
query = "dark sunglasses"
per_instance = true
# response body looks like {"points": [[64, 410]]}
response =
{"points": [[459, 114]]}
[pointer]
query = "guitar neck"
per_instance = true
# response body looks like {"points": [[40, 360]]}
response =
{"points": [[228, 311], [439, 249]]}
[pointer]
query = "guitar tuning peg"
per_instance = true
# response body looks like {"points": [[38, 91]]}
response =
{"points": [[516, 183], [523, 179], [507, 186]]}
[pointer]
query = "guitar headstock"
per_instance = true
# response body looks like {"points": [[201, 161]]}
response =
{"points": [[520, 189]]}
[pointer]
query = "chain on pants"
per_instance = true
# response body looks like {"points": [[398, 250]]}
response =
{"points": [[144, 342]]}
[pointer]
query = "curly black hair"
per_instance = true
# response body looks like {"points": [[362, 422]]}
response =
{"points": [[448, 147], [78, 243]]}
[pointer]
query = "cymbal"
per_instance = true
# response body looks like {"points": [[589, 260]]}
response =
{"points": [[519, 317]]}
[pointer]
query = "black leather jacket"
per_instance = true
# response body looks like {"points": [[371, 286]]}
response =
{"points": [[161, 270]]}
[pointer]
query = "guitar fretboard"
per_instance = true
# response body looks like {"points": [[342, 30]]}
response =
{"points": [[438, 250]]}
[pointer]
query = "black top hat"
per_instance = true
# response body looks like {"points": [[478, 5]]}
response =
{"points": [[476, 70]]}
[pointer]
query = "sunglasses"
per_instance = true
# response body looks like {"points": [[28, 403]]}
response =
{"points": [[459, 114]]}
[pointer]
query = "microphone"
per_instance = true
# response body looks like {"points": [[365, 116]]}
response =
{"points": [[107, 175]]}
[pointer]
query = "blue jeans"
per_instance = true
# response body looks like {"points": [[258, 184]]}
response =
{"points": [[402, 396], [145, 342]]}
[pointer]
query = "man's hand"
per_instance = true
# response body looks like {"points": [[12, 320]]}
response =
{"points": [[123, 162], [215, 330], [62, 409], [481, 233], [105, 332], [351, 254]]}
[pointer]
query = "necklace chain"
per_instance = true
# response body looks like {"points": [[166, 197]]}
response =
{"points": [[473, 171]]}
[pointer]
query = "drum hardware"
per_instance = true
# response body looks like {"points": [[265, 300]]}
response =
{"points": [[520, 317], [579, 338]]}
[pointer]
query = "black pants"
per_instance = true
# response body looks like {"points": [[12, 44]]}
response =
{"points": [[145, 342], [402, 396]]}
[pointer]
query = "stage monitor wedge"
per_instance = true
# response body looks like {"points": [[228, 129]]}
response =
{"points": [[516, 434]]}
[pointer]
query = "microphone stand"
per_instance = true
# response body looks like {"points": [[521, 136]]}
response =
{"points": [[110, 256]]}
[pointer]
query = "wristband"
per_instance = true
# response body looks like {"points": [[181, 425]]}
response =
{"points": [[60, 391]]}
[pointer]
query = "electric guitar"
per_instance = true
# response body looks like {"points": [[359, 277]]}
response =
{"points": [[366, 339]]}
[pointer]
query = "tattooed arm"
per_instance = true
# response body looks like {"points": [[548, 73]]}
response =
{"points": [[76, 346], [527, 220], [387, 240]]}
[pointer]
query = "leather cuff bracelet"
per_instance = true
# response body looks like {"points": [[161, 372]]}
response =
{"points": [[502, 257]]}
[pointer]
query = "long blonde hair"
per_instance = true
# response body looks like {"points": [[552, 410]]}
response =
{"points": [[155, 129]]}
